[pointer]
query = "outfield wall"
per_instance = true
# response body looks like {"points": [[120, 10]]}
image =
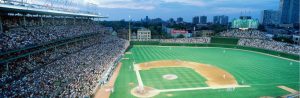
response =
{"points": [[271, 52], [224, 40]]}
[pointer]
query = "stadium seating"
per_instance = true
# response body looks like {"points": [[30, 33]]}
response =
{"points": [[17, 37], [236, 33], [70, 70], [62, 73]]}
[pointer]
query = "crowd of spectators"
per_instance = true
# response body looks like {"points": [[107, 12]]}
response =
{"points": [[74, 71], [271, 45], [23, 37], [258, 39], [19, 32], [28, 64], [244, 34]]}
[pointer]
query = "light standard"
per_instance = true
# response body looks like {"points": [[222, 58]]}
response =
{"points": [[129, 30]]}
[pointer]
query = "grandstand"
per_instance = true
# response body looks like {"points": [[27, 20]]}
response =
{"points": [[44, 25], [48, 52]]}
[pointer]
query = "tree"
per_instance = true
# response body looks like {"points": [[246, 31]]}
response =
{"points": [[217, 28], [261, 28], [180, 36]]}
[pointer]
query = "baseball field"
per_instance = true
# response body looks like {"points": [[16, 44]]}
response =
{"points": [[201, 72]]}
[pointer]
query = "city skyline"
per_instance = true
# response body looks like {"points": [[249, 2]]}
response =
{"points": [[165, 9], [187, 9]]}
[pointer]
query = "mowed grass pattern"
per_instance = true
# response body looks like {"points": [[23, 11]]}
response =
{"points": [[262, 72], [187, 78]]}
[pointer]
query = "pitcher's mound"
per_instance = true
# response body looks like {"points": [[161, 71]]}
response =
{"points": [[170, 77], [146, 93]]}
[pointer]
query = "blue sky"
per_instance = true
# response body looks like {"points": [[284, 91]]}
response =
{"points": [[165, 9]]}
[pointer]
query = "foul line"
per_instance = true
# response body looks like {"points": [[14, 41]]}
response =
{"points": [[288, 89], [138, 76], [203, 88]]}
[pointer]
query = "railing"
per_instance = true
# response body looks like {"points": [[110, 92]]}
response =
{"points": [[108, 73]]}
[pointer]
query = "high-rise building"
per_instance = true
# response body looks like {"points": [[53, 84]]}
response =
{"points": [[269, 17], [203, 19], [179, 20], [245, 17], [147, 19], [156, 20], [225, 20], [196, 20], [216, 20], [289, 11], [171, 20], [221, 20]]}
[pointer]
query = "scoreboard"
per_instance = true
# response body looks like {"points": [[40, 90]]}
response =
{"points": [[245, 23]]}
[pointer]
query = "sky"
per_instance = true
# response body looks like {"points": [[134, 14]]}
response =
{"points": [[165, 9]]}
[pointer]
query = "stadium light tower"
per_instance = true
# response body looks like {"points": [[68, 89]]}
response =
{"points": [[129, 30]]}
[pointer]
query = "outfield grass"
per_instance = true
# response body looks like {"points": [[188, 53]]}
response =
{"points": [[262, 72]]}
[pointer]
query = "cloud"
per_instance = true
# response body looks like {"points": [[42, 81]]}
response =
{"points": [[166, 8], [127, 4], [142, 4], [232, 10], [154, 4], [187, 2]]}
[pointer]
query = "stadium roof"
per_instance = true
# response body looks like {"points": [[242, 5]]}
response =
{"points": [[31, 9]]}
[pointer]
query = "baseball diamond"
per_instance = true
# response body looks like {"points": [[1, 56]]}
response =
{"points": [[203, 72]]}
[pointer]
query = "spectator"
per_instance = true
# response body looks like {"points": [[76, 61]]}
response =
{"points": [[271, 45], [244, 34], [75, 74]]}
